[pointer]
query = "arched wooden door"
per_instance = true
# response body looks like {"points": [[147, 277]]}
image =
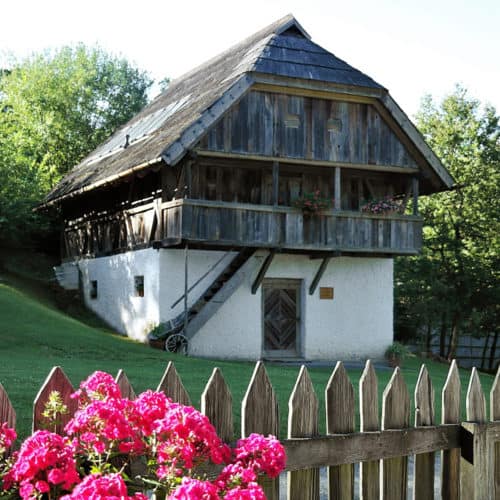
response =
{"points": [[281, 317]]}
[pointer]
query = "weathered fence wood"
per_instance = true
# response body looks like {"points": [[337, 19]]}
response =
{"points": [[369, 421], [495, 416], [475, 480], [395, 415], [450, 414], [259, 413], [173, 387], [470, 461], [55, 381], [217, 405], [303, 423], [340, 449], [423, 475], [126, 389], [7, 412], [340, 419]]}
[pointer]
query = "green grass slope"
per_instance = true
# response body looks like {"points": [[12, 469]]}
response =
{"points": [[35, 336]]}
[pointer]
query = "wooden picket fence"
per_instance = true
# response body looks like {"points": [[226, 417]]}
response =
{"points": [[470, 451]]}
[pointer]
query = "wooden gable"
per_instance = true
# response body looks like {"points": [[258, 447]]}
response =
{"points": [[267, 124]]}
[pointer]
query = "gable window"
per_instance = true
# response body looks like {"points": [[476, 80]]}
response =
{"points": [[139, 286], [93, 289]]}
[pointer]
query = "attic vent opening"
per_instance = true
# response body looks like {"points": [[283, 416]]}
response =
{"points": [[334, 125], [292, 121], [293, 31]]}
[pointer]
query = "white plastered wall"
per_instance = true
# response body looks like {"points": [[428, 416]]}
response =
{"points": [[357, 324], [117, 302]]}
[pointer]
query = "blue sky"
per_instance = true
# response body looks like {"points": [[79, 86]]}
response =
{"points": [[412, 48]]}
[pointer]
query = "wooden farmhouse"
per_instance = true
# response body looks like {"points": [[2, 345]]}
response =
{"points": [[253, 209]]}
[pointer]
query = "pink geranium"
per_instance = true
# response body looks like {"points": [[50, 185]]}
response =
{"points": [[45, 461], [99, 487]]}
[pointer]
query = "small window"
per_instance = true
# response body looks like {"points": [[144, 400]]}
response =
{"points": [[139, 286], [93, 289]]}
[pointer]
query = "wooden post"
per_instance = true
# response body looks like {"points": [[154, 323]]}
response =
{"points": [[338, 193], [415, 195], [476, 476], [186, 319], [276, 182], [495, 417], [189, 179]]}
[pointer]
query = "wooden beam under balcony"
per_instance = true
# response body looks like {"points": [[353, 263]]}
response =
{"points": [[262, 271]]}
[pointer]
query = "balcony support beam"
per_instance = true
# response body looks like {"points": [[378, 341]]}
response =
{"points": [[262, 271], [319, 274]]}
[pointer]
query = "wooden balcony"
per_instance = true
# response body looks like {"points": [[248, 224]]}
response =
{"points": [[215, 223], [237, 224]]}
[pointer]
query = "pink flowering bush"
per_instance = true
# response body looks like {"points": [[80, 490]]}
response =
{"points": [[312, 202], [383, 205], [114, 448]]}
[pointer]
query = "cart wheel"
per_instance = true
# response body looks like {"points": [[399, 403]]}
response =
{"points": [[176, 343]]}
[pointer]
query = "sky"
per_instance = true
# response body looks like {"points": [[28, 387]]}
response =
{"points": [[411, 47]]}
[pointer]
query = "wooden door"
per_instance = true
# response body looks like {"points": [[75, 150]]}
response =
{"points": [[281, 317]]}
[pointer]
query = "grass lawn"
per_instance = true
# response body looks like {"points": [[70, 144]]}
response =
{"points": [[35, 336]]}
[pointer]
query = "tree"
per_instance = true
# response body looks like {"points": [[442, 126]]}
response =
{"points": [[453, 286], [56, 107]]}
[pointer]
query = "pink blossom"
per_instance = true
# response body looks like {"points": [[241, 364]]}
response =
{"points": [[194, 489], [98, 487], [7, 437], [100, 386], [261, 454], [45, 458]]}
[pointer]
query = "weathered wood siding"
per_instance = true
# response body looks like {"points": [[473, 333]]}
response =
{"points": [[269, 124], [232, 224]]}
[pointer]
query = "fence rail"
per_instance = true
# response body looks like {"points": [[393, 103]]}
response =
{"points": [[470, 451]]}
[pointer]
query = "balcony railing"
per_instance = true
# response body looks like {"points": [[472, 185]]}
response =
{"points": [[217, 223], [238, 224]]}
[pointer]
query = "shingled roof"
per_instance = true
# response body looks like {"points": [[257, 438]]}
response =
{"points": [[176, 119]]}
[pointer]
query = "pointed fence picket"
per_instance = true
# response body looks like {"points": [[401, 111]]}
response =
{"points": [[259, 413], [55, 381], [450, 414], [369, 421], [423, 471], [172, 386], [395, 415], [340, 419], [495, 416], [124, 384], [470, 450], [303, 423]]}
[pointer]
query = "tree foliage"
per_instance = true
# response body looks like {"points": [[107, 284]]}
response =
{"points": [[56, 107], [453, 286]]}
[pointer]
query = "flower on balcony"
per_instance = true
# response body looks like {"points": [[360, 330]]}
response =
{"points": [[312, 202], [383, 206]]}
